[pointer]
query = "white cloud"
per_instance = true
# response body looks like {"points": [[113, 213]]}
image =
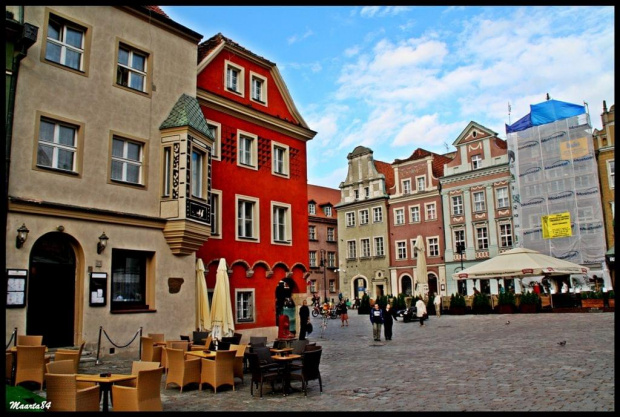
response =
{"points": [[380, 11], [297, 38], [352, 51]]}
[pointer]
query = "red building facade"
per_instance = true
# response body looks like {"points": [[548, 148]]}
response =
{"points": [[258, 191]]}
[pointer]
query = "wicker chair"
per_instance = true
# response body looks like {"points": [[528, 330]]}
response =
{"points": [[71, 354], [9, 367], [145, 396], [219, 371], [150, 353], [201, 346], [173, 344], [30, 364], [24, 340], [65, 367], [239, 357], [137, 366], [309, 370], [261, 374], [181, 371], [257, 341], [157, 337], [64, 394]]}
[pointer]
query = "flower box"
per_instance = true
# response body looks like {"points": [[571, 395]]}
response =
{"points": [[612, 302], [457, 310], [528, 308], [506, 308], [592, 303]]}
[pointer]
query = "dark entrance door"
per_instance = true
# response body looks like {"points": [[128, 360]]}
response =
{"points": [[432, 285], [51, 291]]}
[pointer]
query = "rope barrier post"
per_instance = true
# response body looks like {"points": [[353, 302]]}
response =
{"points": [[140, 345], [15, 337], [99, 346]]}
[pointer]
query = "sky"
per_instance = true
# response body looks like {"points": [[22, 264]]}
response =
{"points": [[398, 78]]}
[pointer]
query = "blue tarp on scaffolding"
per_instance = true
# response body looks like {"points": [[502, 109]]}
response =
{"points": [[546, 112]]}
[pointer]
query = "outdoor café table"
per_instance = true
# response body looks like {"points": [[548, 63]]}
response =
{"points": [[201, 354], [287, 360], [281, 352], [105, 382]]}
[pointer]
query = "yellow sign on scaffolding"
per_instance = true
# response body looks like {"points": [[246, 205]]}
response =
{"points": [[556, 225], [575, 148]]}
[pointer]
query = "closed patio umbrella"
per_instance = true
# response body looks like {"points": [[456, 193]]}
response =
{"points": [[221, 310], [421, 270], [203, 313]]}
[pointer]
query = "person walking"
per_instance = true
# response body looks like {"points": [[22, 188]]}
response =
{"points": [[376, 318], [304, 318], [437, 302], [388, 320], [344, 316], [420, 310]]}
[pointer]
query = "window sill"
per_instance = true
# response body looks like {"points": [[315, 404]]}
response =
{"points": [[132, 311], [232, 90]]}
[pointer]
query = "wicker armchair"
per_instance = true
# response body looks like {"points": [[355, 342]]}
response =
{"points": [[65, 367], [64, 394], [219, 371], [70, 354], [173, 344], [261, 374], [137, 366], [181, 371], [30, 364], [145, 396], [239, 357], [25, 340], [309, 370], [150, 353], [157, 337], [205, 346]]}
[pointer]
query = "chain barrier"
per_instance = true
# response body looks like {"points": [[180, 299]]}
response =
{"points": [[12, 339], [101, 330]]}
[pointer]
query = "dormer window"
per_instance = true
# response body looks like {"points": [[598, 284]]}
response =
{"points": [[328, 211], [311, 208], [234, 78], [259, 88], [476, 161]]}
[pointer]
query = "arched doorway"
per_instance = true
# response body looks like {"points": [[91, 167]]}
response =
{"points": [[406, 284], [432, 284], [51, 291], [360, 286]]}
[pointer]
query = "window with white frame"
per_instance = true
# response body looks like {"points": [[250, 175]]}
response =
{"points": [[356, 193], [247, 218], [479, 204], [126, 160], [245, 305], [216, 131], [259, 88], [476, 161], [364, 216], [312, 259], [311, 208], [502, 197], [351, 249], [459, 239], [65, 43], [247, 144], [457, 205], [432, 243], [377, 215], [414, 214], [365, 248], [367, 192], [280, 165], [216, 210], [331, 260], [399, 216], [431, 211], [198, 173], [281, 222], [406, 186], [611, 173], [331, 234], [350, 219], [379, 251], [234, 78], [312, 285], [482, 237], [401, 250], [131, 68], [57, 146], [328, 211], [312, 232], [421, 181], [505, 235], [332, 285]]}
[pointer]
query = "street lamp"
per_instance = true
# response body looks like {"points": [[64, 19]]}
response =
{"points": [[460, 249], [324, 275]]}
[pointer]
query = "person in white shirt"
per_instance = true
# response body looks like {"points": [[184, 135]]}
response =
{"points": [[437, 302], [420, 310]]}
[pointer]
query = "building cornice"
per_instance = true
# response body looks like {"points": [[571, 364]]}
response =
{"points": [[479, 173]]}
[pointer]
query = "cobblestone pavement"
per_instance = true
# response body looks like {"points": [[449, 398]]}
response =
{"points": [[453, 363]]}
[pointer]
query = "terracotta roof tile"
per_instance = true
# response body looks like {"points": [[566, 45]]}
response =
{"points": [[207, 46], [323, 196], [157, 9], [387, 170]]}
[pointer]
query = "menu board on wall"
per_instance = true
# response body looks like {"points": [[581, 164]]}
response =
{"points": [[16, 287]]}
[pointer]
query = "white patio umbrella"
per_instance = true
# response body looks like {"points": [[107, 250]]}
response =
{"points": [[222, 321], [203, 315], [421, 270]]}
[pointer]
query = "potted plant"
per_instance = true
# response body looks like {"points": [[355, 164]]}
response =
{"points": [[482, 304], [592, 299], [457, 304], [506, 303], [529, 302]]}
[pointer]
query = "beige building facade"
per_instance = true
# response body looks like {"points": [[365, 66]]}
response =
{"points": [[108, 245]]}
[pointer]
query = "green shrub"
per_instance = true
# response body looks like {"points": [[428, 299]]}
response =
{"points": [[364, 307], [595, 295], [507, 298], [482, 300], [530, 298], [457, 300], [611, 294]]}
